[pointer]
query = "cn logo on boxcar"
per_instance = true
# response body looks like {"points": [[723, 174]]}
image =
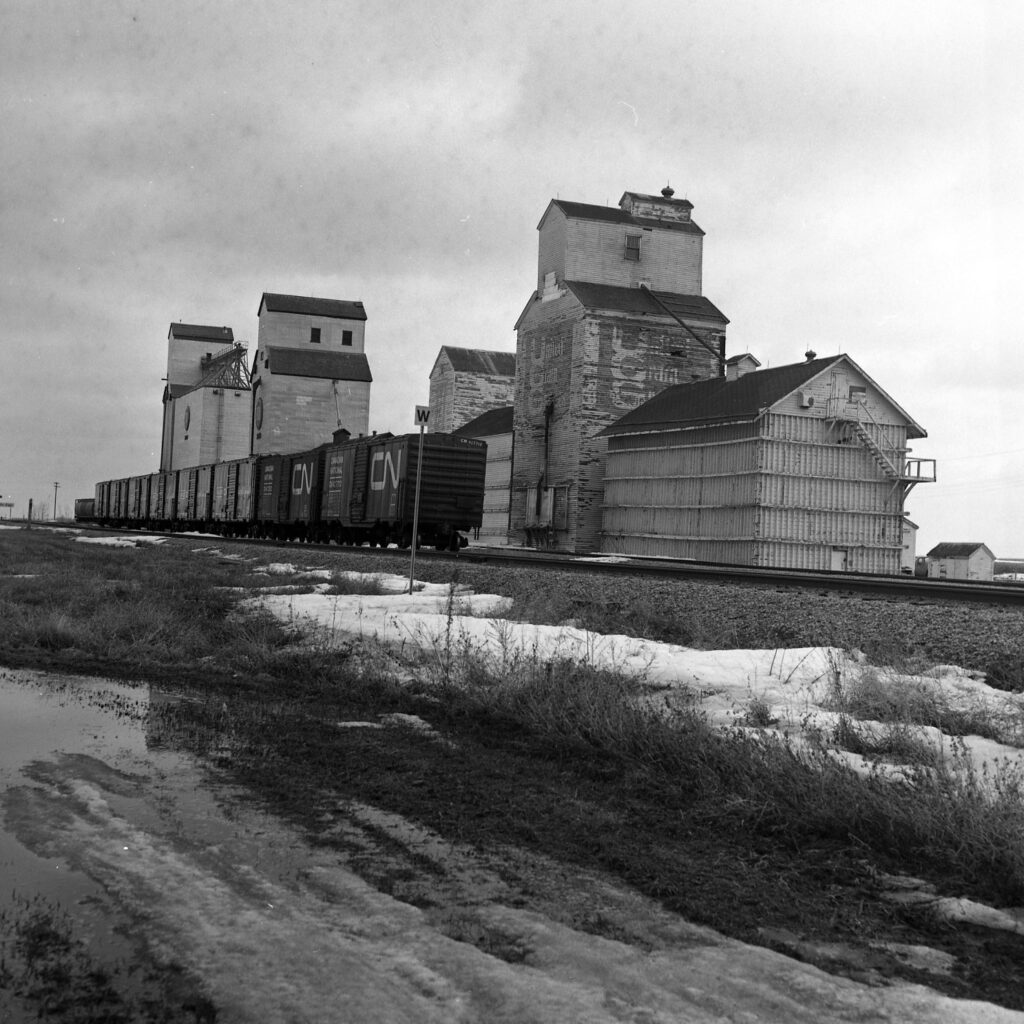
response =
{"points": [[302, 478], [390, 467]]}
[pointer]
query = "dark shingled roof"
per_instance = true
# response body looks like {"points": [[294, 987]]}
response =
{"points": [[616, 215], [339, 309], [494, 421], [637, 300], [200, 332], [954, 550], [300, 362], [478, 360], [718, 399]]}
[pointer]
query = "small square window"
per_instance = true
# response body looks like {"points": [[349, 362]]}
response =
{"points": [[858, 394], [633, 247], [346, 337], [314, 335]]}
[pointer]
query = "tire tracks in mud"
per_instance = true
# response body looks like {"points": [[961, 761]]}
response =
{"points": [[268, 929]]}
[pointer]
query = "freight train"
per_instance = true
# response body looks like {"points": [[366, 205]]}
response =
{"points": [[351, 491]]}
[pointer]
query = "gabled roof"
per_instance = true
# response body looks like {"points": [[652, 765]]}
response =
{"points": [[300, 362], [720, 400], [201, 332], [957, 550], [478, 360], [638, 300], [615, 215], [487, 424], [732, 360], [338, 309]]}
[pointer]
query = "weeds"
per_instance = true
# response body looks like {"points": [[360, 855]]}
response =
{"points": [[877, 695], [897, 742]]}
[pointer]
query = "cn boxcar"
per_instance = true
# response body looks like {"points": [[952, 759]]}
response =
{"points": [[233, 495], [352, 491], [369, 489]]}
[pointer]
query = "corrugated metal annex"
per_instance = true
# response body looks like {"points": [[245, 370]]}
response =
{"points": [[800, 466]]}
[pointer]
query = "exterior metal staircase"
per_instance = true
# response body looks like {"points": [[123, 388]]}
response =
{"points": [[876, 453], [906, 471]]}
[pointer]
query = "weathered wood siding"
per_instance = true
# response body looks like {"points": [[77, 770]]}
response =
{"points": [[978, 566], [689, 493], [458, 397], [792, 489], [552, 242], [292, 330], [302, 412], [591, 250], [496, 487], [184, 357], [588, 368], [167, 436], [442, 396], [218, 427]]}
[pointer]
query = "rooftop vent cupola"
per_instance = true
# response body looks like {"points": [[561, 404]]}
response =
{"points": [[663, 207]]}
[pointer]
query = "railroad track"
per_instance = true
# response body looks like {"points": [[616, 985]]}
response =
{"points": [[908, 588]]}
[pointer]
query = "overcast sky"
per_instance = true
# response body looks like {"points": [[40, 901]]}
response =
{"points": [[858, 170]]}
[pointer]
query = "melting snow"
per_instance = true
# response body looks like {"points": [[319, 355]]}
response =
{"points": [[792, 689]]}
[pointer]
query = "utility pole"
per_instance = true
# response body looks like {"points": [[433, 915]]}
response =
{"points": [[55, 486]]}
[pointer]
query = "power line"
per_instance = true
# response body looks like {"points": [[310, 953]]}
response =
{"points": [[980, 455]]}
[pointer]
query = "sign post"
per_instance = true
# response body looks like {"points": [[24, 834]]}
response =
{"points": [[422, 417]]}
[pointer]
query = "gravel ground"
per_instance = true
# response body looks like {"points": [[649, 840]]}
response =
{"points": [[728, 615]]}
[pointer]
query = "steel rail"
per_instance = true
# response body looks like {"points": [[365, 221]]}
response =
{"points": [[907, 588]]}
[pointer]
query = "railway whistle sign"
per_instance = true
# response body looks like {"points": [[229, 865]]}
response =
{"points": [[422, 416]]}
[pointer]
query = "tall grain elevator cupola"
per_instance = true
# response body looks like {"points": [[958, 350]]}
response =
{"points": [[617, 316], [310, 376], [206, 397]]}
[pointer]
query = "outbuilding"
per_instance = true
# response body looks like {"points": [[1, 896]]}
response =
{"points": [[466, 382], [494, 428], [803, 466], [969, 560]]}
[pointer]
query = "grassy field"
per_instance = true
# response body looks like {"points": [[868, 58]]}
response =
{"points": [[738, 830]]}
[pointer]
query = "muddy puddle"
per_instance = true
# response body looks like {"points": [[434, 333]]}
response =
{"points": [[142, 858]]}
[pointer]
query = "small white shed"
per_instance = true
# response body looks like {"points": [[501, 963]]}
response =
{"points": [[969, 560]]}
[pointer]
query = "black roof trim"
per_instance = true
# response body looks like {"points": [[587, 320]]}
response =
{"points": [[337, 309]]}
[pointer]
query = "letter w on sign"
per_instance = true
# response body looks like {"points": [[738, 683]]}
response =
{"points": [[422, 415]]}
